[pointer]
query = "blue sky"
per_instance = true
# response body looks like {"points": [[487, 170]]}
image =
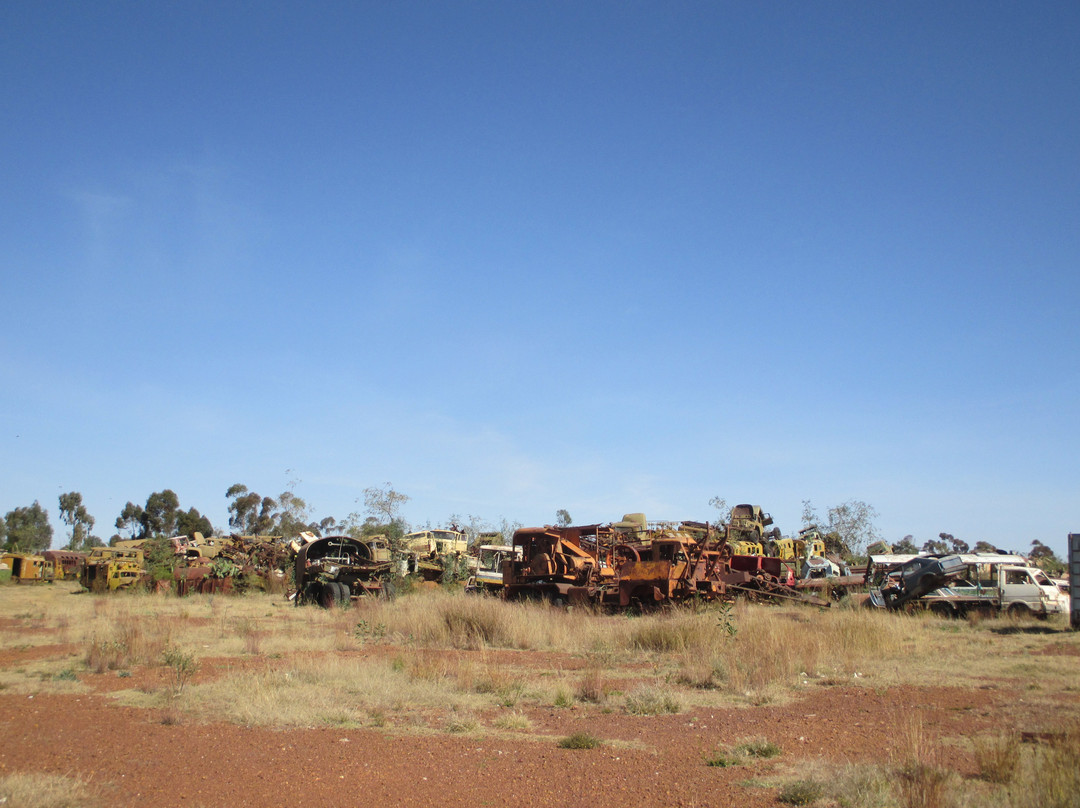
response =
{"points": [[515, 257]]}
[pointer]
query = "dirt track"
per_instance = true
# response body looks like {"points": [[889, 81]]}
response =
{"points": [[136, 757]]}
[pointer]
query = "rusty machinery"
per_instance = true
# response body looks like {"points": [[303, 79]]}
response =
{"points": [[335, 569], [608, 565]]}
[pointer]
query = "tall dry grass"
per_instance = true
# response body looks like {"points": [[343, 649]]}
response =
{"points": [[436, 642], [336, 691], [36, 790], [1049, 776]]}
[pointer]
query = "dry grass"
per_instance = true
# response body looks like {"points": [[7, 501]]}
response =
{"points": [[1050, 776], [1011, 775], [513, 721], [653, 700], [426, 656], [997, 757], [326, 691], [45, 791]]}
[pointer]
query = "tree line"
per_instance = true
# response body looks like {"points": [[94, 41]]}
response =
{"points": [[27, 529], [849, 527]]}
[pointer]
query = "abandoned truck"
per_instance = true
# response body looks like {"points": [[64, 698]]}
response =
{"points": [[489, 567], [746, 530], [335, 569], [918, 577], [427, 553], [110, 568], [983, 583], [561, 564], [1020, 591]]}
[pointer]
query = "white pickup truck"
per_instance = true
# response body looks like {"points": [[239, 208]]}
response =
{"points": [[1011, 589]]}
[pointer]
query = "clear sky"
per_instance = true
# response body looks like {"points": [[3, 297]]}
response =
{"points": [[521, 256]]}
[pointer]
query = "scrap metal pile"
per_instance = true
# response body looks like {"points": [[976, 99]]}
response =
{"points": [[634, 564]]}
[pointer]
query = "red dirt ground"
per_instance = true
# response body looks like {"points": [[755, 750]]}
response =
{"points": [[137, 757]]}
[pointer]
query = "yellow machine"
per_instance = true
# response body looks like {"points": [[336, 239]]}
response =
{"points": [[111, 568], [26, 568]]}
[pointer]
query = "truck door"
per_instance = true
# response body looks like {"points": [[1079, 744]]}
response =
{"points": [[1018, 586]]}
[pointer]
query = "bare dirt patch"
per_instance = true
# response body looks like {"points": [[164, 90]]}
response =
{"points": [[849, 698]]}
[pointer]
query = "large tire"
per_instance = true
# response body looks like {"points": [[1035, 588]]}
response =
{"points": [[325, 595], [341, 594], [1018, 610], [942, 610], [388, 591]]}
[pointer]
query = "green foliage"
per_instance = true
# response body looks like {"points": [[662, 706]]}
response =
{"points": [[1042, 556], [720, 759], [757, 749], [365, 632], [985, 547], [906, 545], [851, 521], [562, 517], [160, 556], [936, 546], [190, 522], [74, 514], [721, 505], [28, 529], [455, 569], [184, 665], [160, 514], [564, 699], [286, 516], [955, 545], [726, 619], [224, 568], [291, 518], [580, 740], [130, 519], [252, 515]]}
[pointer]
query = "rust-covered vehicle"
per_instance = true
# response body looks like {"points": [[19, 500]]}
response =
{"points": [[696, 562], [672, 566], [335, 569], [24, 568], [66, 563], [561, 564], [607, 565], [747, 531], [110, 568]]}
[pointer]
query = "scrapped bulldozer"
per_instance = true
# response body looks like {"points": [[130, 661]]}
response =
{"points": [[336, 569]]}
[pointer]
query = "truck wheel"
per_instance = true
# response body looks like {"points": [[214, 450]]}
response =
{"points": [[341, 593], [326, 595], [942, 609], [1017, 610]]}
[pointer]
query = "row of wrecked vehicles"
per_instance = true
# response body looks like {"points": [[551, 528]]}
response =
{"points": [[627, 564], [631, 563]]}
